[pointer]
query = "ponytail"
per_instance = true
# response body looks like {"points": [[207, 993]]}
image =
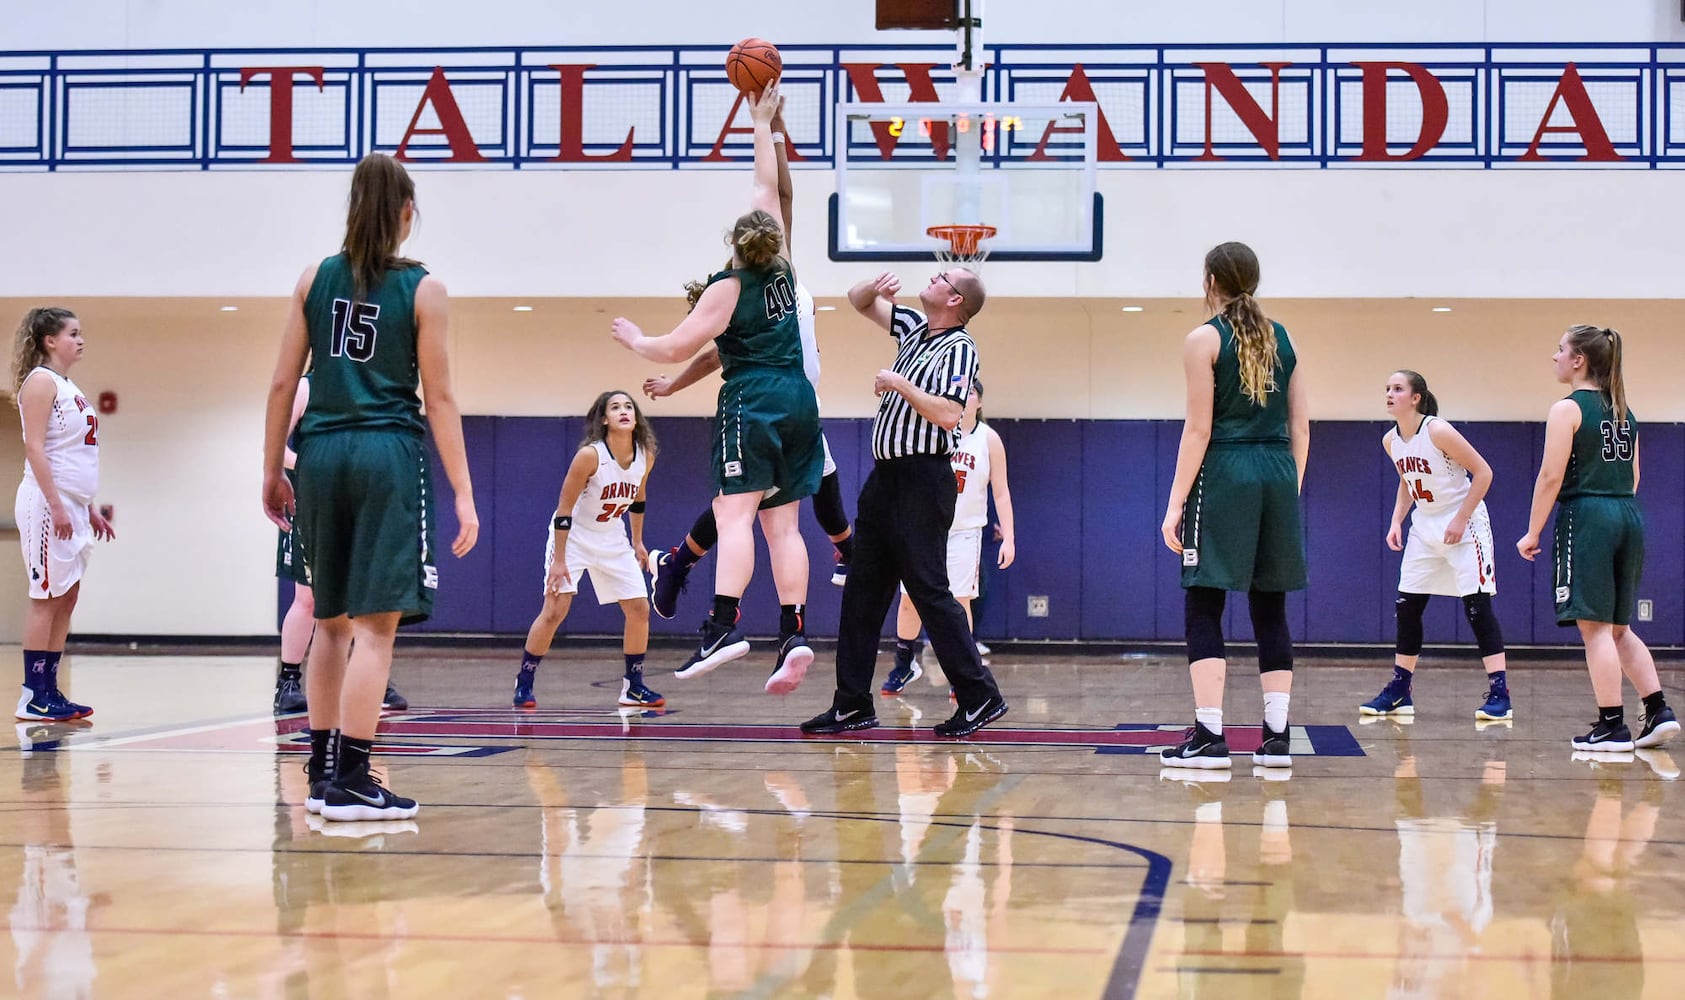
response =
{"points": [[1429, 406], [1255, 346], [29, 347], [1616, 382], [1601, 347]]}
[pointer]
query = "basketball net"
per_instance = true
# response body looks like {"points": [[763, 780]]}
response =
{"points": [[966, 244], [966, 237]]}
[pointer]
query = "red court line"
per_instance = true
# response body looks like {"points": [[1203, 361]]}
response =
{"points": [[535, 939]]}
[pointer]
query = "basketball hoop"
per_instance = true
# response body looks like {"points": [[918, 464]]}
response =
{"points": [[965, 243]]}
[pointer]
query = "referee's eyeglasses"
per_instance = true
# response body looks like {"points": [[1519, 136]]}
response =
{"points": [[944, 276]]}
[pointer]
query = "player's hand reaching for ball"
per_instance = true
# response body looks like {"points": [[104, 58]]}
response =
{"points": [[468, 521], [1528, 546], [659, 387], [763, 107]]}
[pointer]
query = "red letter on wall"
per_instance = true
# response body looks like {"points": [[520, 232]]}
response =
{"points": [[451, 125], [280, 106], [790, 154], [1435, 110], [1571, 90], [573, 129], [1077, 88], [1263, 127], [921, 87]]}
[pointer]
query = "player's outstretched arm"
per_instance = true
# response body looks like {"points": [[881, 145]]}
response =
{"points": [[762, 108], [444, 416], [700, 367], [707, 321]]}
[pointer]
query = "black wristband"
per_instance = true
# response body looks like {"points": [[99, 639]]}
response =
{"points": [[637, 507], [562, 523]]}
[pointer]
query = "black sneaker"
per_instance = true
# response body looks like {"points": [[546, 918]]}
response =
{"points": [[835, 720], [719, 645], [794, 657], [318, 788], [1273, 752], [393, 701], [1657, 729], [1202, 749], [1605, 737], [666, 581], [964, 722], [289, 696], [355, 797]]}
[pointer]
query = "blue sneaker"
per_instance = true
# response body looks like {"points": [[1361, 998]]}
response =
{"points": [[523, 692], [1497, 707], [48, 706], [1657, 729], [667, 581], [633, 694], [902, 676], [1394, 699]]}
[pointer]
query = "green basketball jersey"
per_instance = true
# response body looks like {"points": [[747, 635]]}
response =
{"points": [[363, 371], [764, 331], [1235, 417], [1601, 462]]}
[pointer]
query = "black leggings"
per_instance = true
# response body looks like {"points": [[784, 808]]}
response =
{"points": [[1203, 609], [1476, 607]]}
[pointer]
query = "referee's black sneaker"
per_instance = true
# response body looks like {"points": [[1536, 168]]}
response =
{"points": [[1202, 749], [965, 721], [840, 720]]}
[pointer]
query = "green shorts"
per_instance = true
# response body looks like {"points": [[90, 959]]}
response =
{"points": [[1241, 528], [289, 554], [1599, 556], [766, 436], [365, 517]]}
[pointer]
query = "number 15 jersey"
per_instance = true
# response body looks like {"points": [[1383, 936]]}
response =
{"points": [[362, 352]]}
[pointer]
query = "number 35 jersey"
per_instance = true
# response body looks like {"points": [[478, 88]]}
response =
{"points": [[1437, 483], [1601, 463], [606, 497]]}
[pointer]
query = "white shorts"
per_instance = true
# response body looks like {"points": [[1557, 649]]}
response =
{"points": [[1432, 567], [965, 555], [54, 564], [830, 463], [615, 573]]}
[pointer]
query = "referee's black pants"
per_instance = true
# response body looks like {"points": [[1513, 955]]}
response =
{"points": [[901, 536]]}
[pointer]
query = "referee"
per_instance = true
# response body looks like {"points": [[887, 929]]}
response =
{"points": [[907, 504]]}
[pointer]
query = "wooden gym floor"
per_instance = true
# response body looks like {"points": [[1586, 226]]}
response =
{"points": [[710, 851]]}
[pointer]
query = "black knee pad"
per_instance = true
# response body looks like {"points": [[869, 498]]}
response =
{"points": [[828, 506], [1408, 610], [1484, 621], [1269, 626], [705, 533], [1202, 609]]}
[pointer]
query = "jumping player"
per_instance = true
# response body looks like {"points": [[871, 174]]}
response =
{"points": [[1450, 548], [1233, 513], [769, 454], [56, 518], [608, 479], [979, 465], [369, 321], [670, 568], [1590, 469]]}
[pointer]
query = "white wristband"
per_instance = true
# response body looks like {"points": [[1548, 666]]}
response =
{"points": [[778, 137]]}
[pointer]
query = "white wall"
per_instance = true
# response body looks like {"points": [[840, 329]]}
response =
{"points": [[118, 24]]}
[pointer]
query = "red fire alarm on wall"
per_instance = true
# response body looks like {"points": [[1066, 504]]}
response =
{"points": [[108, 403]]}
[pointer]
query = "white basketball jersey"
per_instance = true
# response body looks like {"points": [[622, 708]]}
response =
{"points": [[971, 477], [609, 493], [810, 334], [72, 443], [1438, 484]]}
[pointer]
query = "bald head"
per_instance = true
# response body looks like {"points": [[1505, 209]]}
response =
{"points": [[970, 287]]}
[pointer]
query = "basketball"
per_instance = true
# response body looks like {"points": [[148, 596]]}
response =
{"points": [[752, 64]]}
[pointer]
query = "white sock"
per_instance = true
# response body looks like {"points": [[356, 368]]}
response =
{"points": [[1275, 816], [1275, 710], [1208, 812], [1210, 718]]}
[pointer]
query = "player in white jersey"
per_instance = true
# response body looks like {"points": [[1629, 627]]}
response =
{"points": [[607, 480], [1450, 548], [670, 567], [979, 466], [56, 518]]}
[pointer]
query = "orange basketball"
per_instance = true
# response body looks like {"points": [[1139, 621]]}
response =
{"points": [[752, 64]]}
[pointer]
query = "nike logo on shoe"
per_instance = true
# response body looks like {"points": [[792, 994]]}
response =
{"points": [[379, 801], [842, 716], [972, 716]]}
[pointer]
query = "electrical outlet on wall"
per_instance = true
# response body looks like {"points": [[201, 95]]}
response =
{"points": [[1646, 610], [1038, 606]]}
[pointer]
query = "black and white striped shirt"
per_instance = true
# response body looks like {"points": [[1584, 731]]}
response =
{"points": [[942, 364]]}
